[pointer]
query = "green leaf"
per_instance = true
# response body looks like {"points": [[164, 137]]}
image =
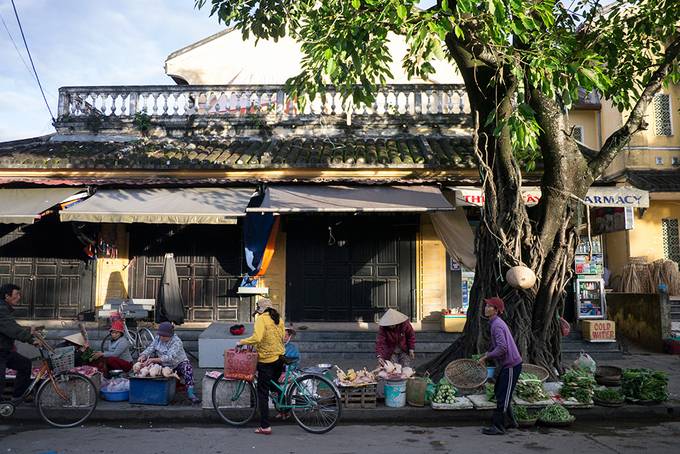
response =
{"points": [[356, 4], [401, 12]]}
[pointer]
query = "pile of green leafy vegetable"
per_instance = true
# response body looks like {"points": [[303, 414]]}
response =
{"points": [[645, 384], [554, 413], [579, 384], [530, 388], [490, 391], [522, 413], [608, 395], [445, 393]]}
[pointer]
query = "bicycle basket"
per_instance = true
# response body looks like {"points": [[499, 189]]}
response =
{"points": [[62, 359]]}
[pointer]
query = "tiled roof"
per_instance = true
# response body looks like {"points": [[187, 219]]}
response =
{"points": [[399, 152], [655, 180]]}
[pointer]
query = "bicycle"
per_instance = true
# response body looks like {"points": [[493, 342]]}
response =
{"points": [[64, 399], [313, 400], [139, 338]]}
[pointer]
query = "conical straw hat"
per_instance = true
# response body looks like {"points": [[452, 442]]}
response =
{"points": [[76, 338], [392, 317]]}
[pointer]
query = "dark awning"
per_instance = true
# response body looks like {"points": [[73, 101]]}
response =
{"points": [[162, 206], [339, 199], [22, 206]]}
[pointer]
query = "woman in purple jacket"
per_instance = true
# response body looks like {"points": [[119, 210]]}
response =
{"points": [[508, 360]]}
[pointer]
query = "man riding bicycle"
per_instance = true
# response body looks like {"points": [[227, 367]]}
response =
{"points": [[10, 331]]}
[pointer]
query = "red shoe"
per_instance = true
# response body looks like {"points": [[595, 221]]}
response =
{"points": [[261, 431]]}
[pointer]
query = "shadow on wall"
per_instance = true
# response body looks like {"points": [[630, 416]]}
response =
{"points": [[115, 288]]}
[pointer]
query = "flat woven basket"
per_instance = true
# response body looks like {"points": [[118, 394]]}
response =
{"points": [[539, 371], [465, 373], [609, 372]]}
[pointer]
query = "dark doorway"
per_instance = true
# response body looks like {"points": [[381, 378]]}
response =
{"points": [[208, 259], [356, 270], [47, 261]]}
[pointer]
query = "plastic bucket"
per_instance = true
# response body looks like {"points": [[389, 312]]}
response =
{"points": [[395, 393], [415, 391], [490, 371]]}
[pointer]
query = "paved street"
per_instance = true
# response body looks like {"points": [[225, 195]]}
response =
{"points": [[148, 439]]}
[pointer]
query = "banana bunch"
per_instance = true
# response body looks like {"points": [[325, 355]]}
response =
{"points": [[353, 377]]}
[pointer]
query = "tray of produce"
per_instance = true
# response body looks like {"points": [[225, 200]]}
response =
{"points": [[555, 416], [578, 385], [644, 386], [608, 397], [524, 417], [354, 378]]}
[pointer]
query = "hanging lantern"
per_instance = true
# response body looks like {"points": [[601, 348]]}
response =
{"points": [[520, 277]]}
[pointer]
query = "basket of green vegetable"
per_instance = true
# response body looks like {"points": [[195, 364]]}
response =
{"points": [[579, 384], [530, 388], [524, 417], [644, 386], [555, 416], [445, 393], [608, 397], [540, 372]]}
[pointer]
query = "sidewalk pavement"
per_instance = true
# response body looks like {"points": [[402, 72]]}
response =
{"points": [[181, 411]]}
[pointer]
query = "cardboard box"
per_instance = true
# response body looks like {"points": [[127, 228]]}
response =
{"points": [[453, 323], [598, 330]]}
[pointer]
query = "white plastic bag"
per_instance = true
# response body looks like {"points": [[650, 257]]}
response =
{"points": [[585, 361], [116, 385]]}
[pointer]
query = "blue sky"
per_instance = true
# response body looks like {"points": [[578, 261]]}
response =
{"points": [[87, 42]]}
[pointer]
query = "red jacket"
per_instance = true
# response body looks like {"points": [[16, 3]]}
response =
{"points": [[389, 338]]}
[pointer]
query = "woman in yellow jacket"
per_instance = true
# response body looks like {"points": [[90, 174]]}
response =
{"points": [[268, 340]]}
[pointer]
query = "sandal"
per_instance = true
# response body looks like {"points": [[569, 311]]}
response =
{"points": [[261, 431]]}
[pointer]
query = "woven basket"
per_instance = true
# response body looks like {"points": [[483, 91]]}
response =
{"points": [[465, 373], [62, 359], [609, 372], [538, 371]]}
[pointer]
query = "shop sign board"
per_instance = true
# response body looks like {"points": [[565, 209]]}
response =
{"points": [[599, 330], [598, 196]]}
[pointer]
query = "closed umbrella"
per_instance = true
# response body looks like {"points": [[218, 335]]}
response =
{"points": [[169, 305]]}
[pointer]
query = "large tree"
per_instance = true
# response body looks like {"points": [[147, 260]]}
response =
{"points": [[524, 63]]}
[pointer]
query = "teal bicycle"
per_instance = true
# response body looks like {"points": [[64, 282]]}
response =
{"points": [[313, 400]]}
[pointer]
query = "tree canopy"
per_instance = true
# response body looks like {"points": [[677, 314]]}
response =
{"points": [[558, 47], [524, 64]]}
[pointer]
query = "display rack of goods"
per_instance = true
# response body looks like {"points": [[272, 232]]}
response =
{"points": [[579, 385], [644, 386], [354, 378]]}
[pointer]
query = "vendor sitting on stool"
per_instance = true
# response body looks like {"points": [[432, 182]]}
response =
{"points": [[117, 356], [396, 339], [168, 351]]}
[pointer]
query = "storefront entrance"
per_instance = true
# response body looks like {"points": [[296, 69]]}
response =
{"points": [[47, 261], [208, 260], [349, 268]]}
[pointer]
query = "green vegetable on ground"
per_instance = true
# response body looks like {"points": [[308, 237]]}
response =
{"points": [[530, 388], [579, 384], [554, 413], [490, 391], [608, 395], [522, 413], [445, 393], [645, 384]]}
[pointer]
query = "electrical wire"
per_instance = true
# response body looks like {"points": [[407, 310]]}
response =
{"points": [[21, 29]]}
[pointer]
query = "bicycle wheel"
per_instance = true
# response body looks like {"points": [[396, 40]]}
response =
{"points": [[316, 403], [67, 400], [144, 339], [106, 339], [234, 400]]}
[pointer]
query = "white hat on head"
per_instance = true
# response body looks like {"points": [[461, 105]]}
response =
{"points": [[263, 304], [76, 338], [392, 317]]}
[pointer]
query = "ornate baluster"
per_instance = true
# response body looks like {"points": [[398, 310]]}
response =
{"points": [[417, 101], [461, 101]]}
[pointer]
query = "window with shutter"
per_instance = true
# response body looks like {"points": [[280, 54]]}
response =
{"points": [[662, 115], [671, 239]]}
